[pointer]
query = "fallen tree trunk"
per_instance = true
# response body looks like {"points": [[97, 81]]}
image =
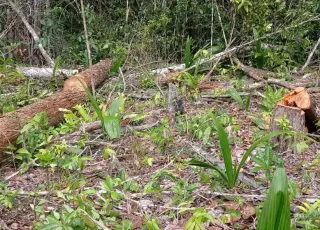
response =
{"points": [[72, 94], [37, 72]]}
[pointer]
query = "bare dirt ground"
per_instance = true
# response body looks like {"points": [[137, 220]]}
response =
{"points": [[132, 148]]}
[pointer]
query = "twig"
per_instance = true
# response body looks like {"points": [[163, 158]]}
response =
{"points": [[139, 96], [310, 55], [11, 176], [91, 126], [124, 81], [220, 22]]}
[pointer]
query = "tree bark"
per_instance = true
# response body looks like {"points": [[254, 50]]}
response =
{"points": [[72, 94], [313, 114], [35, 36], [296, 119]]}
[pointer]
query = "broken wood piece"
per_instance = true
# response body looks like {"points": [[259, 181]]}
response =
{"points": [[257, 74], [165, 79], [208, 85], [296, 118], [11, 123]]}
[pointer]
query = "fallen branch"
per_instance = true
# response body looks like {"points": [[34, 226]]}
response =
{"points": [[227, 95], [37, 72], [267, 77], [96, 125]]}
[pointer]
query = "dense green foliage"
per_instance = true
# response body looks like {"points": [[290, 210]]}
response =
{"points": [[157, 30], [128, 174]]}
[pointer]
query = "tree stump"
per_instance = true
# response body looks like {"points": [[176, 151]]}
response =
{"points": [[313, 114], [296, 117]]}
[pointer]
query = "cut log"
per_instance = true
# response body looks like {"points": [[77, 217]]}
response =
{"points": [[36, 72], [72, 94], [296, 117]]}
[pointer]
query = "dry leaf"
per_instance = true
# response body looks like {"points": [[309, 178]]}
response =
{"points": [[247, 211], [231, 205]]}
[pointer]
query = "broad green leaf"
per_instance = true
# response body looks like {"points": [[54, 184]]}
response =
{"points": [[116, 105], [206, 135], [23, 151], [88, 221], [112, 126], [276, 210], [236, 96], [51, 226], [301, 147], [187, 53], [225, 149], [83, 113]]}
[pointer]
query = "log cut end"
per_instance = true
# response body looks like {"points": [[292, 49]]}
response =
{"points": [[299, 98]]}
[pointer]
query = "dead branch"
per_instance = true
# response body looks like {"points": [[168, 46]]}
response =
{"points": [[36, 72], [92, 126], [310, 55], [268, 77], [226, 95]]}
